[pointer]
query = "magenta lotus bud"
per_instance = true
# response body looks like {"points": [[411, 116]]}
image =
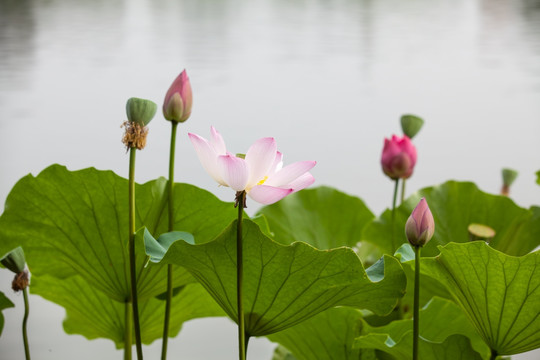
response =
{"points": [[420, 226], [398, 157], [178, 100]]}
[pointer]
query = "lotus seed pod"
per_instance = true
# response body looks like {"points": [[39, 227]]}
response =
{"points": [[140, 111], [411, 125]]}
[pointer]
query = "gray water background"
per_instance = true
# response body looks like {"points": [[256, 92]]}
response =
{"points": [[328, 79]]}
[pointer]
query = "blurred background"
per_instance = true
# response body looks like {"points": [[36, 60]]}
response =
{"points": [[329, 79]]}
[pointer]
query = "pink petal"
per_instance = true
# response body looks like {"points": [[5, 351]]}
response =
{"points": [[207, 157], [408, 147], [217, 141], [290, 173], [234, 171], [278, 163], [267, 195], [260, 157], [302, 182]]}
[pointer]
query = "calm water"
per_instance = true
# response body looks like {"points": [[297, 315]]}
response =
{"points": [[328, 79]]}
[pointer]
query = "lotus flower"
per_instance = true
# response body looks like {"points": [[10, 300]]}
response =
{"points": [[178, 100], [398, 157], [420, 226], [259, 173]]}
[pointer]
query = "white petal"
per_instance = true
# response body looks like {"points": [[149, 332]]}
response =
{"points": [[302, 182], [290, 173], [217, 141], [207, 156], [267, 195], [260, 157], [234, 171]]}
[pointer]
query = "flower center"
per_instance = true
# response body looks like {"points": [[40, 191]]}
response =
{"points": [[263, 180]]}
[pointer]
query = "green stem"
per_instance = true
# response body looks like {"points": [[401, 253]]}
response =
{"points": [[416, 314], [25, 321], [399, 309], [493, 354], [394, 208], [171, 228], [128, 314], [403, 190], [394, 200], [242, 345], [132, 252]]}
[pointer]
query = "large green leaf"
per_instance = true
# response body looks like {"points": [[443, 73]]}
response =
{"points": [[76, 223], [329, 335], [445, 333], [455, 347], [93, 315], [499, 293], [323, 217], [455, 205], [430, 287], [4, 304], [285, 285], [342, 334]]}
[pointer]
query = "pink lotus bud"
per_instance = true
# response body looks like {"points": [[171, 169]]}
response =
{"points": [[178, 100], [398, 157], [420, 225]]}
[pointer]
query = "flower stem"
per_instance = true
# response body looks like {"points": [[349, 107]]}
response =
{"points": [[171, 228], [242, 345], [25, 320], [416, 314], [403, 190], [398, 306], [394, 207], [128, 314], [132, 252]]}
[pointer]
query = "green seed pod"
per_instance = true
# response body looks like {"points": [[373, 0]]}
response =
{"points": [[411, 125], [14, 260], [509, 176], [140, 111]]}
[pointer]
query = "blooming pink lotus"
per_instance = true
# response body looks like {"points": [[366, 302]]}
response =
{"points": [[398, 157], [260, 173], [178, 100], [420, 226]]}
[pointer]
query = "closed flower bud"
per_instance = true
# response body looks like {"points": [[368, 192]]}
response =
{"points": [[178, 100], [420, 226], [14, 260], [411, 125], [140, 111], [398, 157]]}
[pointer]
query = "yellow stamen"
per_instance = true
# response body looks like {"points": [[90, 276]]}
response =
{"points": [[263, 180]]}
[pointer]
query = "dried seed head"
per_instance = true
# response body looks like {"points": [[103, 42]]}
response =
{"points": [[135, 135], [20, 281]]}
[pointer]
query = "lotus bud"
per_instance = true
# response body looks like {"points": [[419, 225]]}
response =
{"points": [[14, 260], [411, 125], [178, 100], [398, 157], [139, 113], [509, 176], [420, 226]]}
